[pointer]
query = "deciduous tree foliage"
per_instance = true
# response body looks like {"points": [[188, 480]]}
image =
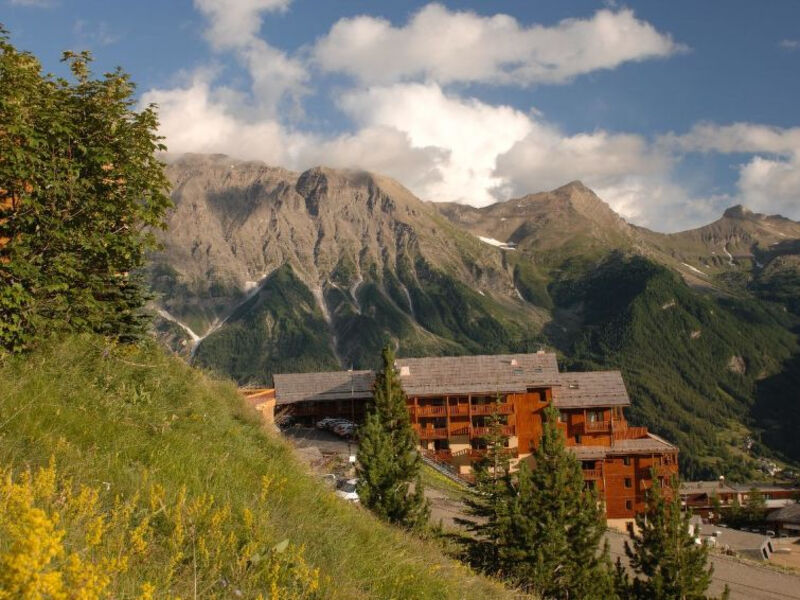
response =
{"points": [[668, 564], [388, 461], [80, 191]]}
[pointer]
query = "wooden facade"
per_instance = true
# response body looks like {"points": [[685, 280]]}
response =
{"points": [[450, 401]]}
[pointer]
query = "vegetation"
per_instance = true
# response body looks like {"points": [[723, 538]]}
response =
{"points": [[80, 190], [751, 514], [134, 431], [667, 562], [388, 461], [540, 528], [692, 363]]}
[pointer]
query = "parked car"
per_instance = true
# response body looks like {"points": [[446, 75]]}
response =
{"points": [[346, 489]]}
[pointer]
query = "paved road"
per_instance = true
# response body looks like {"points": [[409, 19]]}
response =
{"points": [[746, 581]]}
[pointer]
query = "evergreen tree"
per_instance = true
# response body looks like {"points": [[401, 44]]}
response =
{"points": [[755, 508], [556, 526], [668, 564], [80, 192], [490, 501], [388, 460]]}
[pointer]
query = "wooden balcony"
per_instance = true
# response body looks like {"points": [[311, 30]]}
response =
{"points": [[431, 411], [459, 428], [490, 409], [438, 455], [477, 454], [597, 426], [507, 430], [458, 410], [431, 433], [631, 433], [592, 474]]}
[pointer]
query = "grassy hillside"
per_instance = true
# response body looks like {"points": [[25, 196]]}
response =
{"points": [[173, 454]]}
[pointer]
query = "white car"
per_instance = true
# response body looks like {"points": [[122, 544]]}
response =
{"points": [[346, 489]]}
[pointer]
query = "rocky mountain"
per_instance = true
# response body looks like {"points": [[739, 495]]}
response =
{"points": [[267, 270]]}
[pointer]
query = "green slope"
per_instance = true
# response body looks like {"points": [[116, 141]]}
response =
{"points": [[121, 420], [692, 362]]}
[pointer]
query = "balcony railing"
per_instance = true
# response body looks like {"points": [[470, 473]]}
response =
{"points": [[487, 431], [431, 411], [478, 453], [631, 433], [490, 409], [438, 455], [597, 426], [459, 410], [431, 433], [459, 429], [592, 474]]}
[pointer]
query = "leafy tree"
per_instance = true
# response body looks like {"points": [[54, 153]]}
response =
{"points": [[80, 191], [755, 507], [388, 460], [553, 545], [669, 565], [489, 504]]}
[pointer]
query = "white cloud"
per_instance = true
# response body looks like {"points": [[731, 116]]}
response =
{"points": [[771, 186], [736, 137], [234, 25], [446, 46], [98, 34], [35, 3], [472, 134], [790, 44]]}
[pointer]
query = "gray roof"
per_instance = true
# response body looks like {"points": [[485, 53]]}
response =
{"points": [[333, 385], [706, 487], [428, 376], [454, 375], [788, 514], [591, 388], [652, 444], [477, 374]]}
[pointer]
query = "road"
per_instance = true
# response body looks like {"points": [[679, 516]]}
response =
{"points": [[747, 581]]}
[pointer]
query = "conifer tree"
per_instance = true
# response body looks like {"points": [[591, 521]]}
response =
{"points": [[556, 526], [490, 502], [668, 564], [388, 460]]}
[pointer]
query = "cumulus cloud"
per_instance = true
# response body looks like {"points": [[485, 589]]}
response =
{"points": [[446, 46], [234, 25]]}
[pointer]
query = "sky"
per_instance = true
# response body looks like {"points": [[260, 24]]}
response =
{"points": [[670, 111]]}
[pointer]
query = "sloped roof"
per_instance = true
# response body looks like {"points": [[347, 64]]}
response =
{"points": [[652, 444], [428, 376], [788, 514], [590, 388], [333, 385], [477, 374]]}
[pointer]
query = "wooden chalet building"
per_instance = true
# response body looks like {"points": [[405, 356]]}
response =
{"points": [[451, 398]]}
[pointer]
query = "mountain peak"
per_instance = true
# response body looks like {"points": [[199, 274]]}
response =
{"points": [[738, 212]]}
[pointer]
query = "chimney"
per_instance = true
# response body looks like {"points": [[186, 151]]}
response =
{"points": [[514, 362], [405, 371]]}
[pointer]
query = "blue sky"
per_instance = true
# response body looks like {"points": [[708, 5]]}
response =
{"points": [[671, 111]]}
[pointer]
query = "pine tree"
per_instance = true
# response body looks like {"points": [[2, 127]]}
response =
{"points": [[557, 526], [490, 502], [668, 564], [388, 460]]}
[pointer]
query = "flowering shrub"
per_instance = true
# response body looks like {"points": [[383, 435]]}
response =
{"points": [[59, 541]]}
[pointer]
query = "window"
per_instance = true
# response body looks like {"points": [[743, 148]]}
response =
{"points": [[594, 416], [562, 416], [628, 504], [578, 439], [628, 482], [626, 461]]}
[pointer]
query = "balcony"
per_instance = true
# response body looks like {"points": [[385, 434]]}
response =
{"points": [[459, 429], [597, 426], [431, 433], [507, 430], [490, 409], [592, 474], [631, 433], [438, 455], [431, 411], [458, 410], [479, 453]]}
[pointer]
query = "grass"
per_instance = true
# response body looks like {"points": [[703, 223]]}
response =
{"points": [[119, 419], [433, 479]]}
